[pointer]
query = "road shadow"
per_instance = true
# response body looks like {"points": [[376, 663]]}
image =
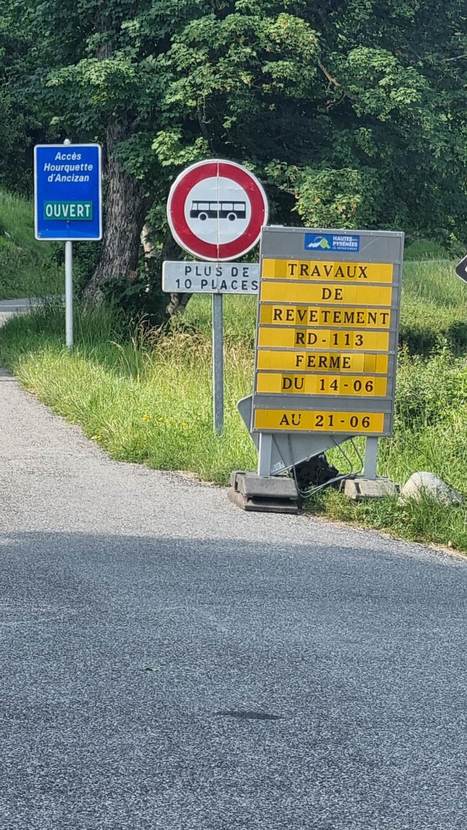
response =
{"points": [[206, 684]]}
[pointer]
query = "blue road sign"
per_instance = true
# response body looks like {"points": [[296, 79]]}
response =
{"points": [[67, 192]]}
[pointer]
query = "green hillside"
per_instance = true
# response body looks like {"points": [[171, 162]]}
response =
{"points": [[27, 267]]}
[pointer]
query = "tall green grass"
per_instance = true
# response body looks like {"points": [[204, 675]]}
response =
{"points": [[27, 268], [149, 400], [434, 307]]}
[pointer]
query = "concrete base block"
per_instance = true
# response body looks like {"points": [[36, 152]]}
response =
{"points": [[274, 494], [367, 488]]}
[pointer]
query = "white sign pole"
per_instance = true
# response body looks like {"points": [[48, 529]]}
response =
{"points": [[218, 361], [68, 286], [69, 294]]}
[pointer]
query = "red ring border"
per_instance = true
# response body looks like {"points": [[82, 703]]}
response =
{"points": [[181, 231]]}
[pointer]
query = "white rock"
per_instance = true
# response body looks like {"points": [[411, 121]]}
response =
{"points": [[427, 484]]}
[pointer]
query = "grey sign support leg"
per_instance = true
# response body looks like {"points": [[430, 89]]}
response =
{"points": [[368, 485], [371, 458], [218, 361], [265, 454]]}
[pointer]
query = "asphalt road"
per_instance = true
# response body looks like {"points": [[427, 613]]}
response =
{"points": [[170, 662], [10, 307]]}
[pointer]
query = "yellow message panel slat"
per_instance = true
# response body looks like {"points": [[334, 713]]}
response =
{"points": [[333, 294], [322, 339], [290, 420], [323, 362], [357, 272], [293, 384], [297, 315]]}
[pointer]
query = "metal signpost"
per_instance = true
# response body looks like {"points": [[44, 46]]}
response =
{"points": [[327, 338], [68, 203], [216, 211]]}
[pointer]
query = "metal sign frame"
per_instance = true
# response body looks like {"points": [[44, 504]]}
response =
{"points": [[382, 252]]}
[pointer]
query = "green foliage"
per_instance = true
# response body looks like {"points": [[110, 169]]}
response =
{"points": [[424, 401], [138, 301], [345, 197], [18, 122], [369, 131], [424, 249], [352, 113]]}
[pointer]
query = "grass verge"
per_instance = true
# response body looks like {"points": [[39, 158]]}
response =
{"points": [[142, 402], [426, 521], [150, 402]]}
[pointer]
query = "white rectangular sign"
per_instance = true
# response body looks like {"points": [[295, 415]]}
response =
{"points": [[210, 277]]}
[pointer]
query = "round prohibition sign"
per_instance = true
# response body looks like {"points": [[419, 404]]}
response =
{"points": [[216, 210]]}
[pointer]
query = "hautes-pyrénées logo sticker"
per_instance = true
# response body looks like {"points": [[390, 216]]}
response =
{"points": [[332, 242]]}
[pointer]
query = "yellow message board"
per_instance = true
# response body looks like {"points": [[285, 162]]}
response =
{"points": [[322, 361], [327, 331], [290, 420], [319, 271], [294, 384], [301, 315], [290, 338], [293, 292]]}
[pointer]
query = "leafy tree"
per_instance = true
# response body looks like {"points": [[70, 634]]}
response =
{"points": [[95, 69], [353, 112], [20, 127]]}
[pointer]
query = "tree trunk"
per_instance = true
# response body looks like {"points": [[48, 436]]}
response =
{"points": [[125, 210], [178, 302]]}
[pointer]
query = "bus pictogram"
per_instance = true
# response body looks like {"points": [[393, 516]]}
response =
{"points": [[218, 210]]}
